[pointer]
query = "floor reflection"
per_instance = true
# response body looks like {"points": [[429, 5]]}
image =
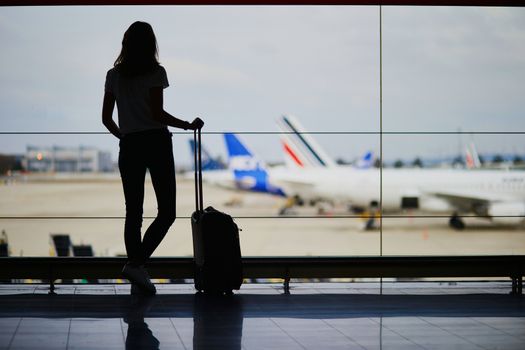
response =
{"points": [[217, 322], [93, 318], [139, 335]]}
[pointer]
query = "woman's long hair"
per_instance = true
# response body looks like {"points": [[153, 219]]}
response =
{"points": [[139, 54]]}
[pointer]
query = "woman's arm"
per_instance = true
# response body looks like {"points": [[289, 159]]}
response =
{"points": [[107, 114], [163, 117]]}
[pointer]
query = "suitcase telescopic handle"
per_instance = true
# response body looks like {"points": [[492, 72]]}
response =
{"points": [[197, 151]]}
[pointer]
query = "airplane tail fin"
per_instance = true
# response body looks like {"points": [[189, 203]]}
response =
{"points": [[300, 149], [208, 162], [472, 157], [249, 172], [366, 161], [240, 158]]}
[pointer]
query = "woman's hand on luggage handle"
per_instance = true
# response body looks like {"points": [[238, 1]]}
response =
{"points": [[197, 123]]}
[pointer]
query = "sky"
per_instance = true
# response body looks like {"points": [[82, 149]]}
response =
{"points": [[241, 67]]}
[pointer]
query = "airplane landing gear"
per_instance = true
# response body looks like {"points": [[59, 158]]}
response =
{"points": [[456, 223], [288, 205], [371, 216]]}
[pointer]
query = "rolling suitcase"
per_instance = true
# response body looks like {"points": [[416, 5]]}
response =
{"points": [[216, 248]]}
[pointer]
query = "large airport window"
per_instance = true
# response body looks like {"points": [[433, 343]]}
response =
{"points": [[330, 130], [257, 72], [453, 132]]}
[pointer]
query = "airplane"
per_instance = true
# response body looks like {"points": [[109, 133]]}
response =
{"points": [[302, 151], [494, 194], [472, 160], [366, 161], [249, 172], [245, 171], [213, 171], [208, 162], [497, 195]]}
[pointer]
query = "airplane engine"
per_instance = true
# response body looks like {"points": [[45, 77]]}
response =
{"points": [[510, 213]]}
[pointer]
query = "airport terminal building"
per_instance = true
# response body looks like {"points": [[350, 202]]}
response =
{"points": [[67, 159]]}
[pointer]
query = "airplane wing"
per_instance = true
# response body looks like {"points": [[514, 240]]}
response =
{"points": [[296, 183], [469, 201], [295, 187], [501, 209], [464, 202], [471, 196]]}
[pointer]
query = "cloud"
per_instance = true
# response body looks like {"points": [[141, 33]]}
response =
{"points": [[191, 72], [240, 67]]}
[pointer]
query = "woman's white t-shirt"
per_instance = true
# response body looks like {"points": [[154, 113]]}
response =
{"points": [[133, 98]]}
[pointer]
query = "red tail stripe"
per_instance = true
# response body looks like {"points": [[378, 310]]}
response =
{"points": [[292, 154]]}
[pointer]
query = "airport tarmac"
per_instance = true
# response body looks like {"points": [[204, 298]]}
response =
{"points": [[91, 211]]}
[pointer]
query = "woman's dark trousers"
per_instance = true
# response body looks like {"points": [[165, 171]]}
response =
{"points": [[147, 150]]}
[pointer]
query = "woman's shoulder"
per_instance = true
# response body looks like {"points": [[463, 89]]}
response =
{"points": [[159, 70], [159, 77], [112, 71]]}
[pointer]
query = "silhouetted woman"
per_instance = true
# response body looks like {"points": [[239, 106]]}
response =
{"points": [[136, 83]]}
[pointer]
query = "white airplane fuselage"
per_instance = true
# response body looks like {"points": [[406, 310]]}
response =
{"points": [[490, 192]]}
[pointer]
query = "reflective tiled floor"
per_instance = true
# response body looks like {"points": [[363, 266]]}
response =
{"points": [[314, 316]]}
